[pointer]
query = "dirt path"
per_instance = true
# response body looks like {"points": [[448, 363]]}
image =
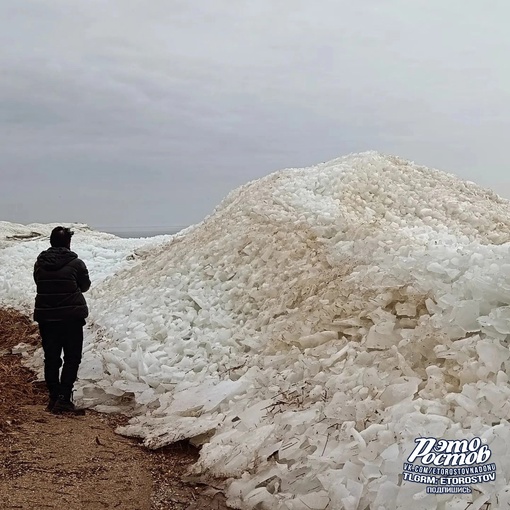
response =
{"points": [[78, 462], [71, 462]]}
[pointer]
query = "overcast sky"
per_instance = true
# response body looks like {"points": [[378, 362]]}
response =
{"points": [[124, 113]]}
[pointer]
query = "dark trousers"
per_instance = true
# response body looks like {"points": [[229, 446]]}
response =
{"points": [[58, 336]]}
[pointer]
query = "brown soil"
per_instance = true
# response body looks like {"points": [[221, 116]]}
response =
{"points": [[78, 462]]}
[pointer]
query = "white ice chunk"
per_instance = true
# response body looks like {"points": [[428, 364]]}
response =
{"points": [[492, 353], [399, 390]]}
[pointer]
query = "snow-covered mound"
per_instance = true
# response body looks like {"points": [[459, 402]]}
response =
{"points": [[311, 328]]}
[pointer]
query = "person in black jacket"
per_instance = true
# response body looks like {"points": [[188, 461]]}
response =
{"points": [[60, 309]]}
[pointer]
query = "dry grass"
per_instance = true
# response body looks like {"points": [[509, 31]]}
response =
{"points": [[16, 328], [19, 384]]}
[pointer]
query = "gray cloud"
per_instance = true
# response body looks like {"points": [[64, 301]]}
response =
{"points": [[131, 113]]}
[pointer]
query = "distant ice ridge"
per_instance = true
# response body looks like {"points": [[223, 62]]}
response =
{"points": [[103, 253], [311, 328]]}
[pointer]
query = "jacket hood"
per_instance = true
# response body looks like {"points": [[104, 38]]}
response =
{"points": [[55, 258]]}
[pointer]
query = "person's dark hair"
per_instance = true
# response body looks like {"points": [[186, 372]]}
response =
{"points": [[61, 237]]}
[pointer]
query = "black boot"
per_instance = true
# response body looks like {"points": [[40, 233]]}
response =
{"points": [[64, 404], [51, 403]]}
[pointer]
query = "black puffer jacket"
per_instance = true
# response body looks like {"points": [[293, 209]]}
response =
{"points": [[61, 277]]}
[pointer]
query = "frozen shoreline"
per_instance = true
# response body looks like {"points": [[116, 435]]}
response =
{"points": [[308, 331]]}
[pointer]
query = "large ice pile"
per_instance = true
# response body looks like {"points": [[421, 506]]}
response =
{"points": [[311, 328]]}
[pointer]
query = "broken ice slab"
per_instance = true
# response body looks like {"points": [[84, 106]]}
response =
{"points": [[497, 396], [160, 432], [370, 472], [464, 402], [399, 390], [298, 421], [310, 341], [313, 501], [428, 425], [436, 267], [347, 496], [499, 319], [154, 380], [91, 391], [116, 358], [247, 482], [205, 397], [101, 408], [391, 453], [146, 397], [465, 314], [382, 336], [244, 453], [331, 477], [91, 369], [130, 386], [252, 416], [260, 498], [492, 354], [406, 309], [432, 307], [371, 379]]}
